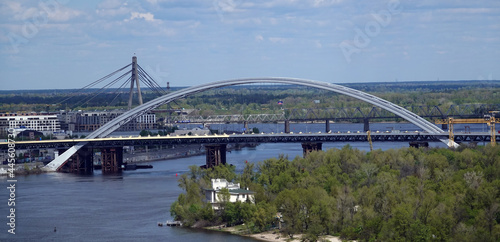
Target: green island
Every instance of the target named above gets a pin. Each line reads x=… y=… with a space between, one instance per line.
x=408 y=194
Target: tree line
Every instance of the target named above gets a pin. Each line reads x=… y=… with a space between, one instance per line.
x=264 y=99
x=394 y=195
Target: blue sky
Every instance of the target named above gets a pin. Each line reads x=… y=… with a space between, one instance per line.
x=51 y=44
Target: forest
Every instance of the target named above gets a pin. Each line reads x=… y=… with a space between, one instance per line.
x=408 y=194
x=251 y=99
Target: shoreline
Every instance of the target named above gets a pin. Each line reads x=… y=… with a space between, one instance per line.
x=268 y=236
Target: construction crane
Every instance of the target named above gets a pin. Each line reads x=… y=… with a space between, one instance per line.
x=369 y=138
x=488 y=119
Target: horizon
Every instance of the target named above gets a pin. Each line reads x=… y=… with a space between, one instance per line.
x=259 y=84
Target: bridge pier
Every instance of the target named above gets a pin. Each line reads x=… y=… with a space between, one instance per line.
x=245 y=125
x=81 y=163
x=287 y=126
x=111 y=159
x=327 y=126
x=216 y=155
x=366 y=124
x=310 y=147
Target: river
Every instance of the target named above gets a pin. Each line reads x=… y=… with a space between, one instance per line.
x=128 y=206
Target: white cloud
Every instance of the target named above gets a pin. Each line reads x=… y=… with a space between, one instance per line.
x=225 y=5
x=44 y=11
x=112 y=8
x=146 y=16
x=259 y=38
x=110 y=4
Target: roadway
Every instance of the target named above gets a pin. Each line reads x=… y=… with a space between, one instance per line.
x=300 y=137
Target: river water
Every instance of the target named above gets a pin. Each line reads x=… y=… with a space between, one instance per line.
x=128 y=206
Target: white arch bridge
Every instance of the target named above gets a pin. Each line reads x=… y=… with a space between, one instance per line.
x=114 y=124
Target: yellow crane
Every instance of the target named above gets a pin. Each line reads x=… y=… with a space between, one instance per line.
x=488 y=119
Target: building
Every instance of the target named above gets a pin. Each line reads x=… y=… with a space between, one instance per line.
x=195 y=131
x=236 y=193
x=81 y=121
x=44 y=123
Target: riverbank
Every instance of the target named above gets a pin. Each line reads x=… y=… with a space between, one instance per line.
x=271 y=236
x=23 y=169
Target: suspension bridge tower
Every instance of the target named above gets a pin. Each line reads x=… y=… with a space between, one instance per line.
x=134 y=79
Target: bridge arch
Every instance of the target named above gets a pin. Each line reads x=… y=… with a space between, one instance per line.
x=114 y=124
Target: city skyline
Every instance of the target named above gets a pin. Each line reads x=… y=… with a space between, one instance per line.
x=68 y=44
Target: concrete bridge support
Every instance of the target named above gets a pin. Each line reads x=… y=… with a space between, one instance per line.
x=216 y=155
x=245 y=125
x=81 y=162
x=287 y=126
x=111 y=159
x=310 y=147
x=327 y=126
x=366 y=124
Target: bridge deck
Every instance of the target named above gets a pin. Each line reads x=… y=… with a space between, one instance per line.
x=254 y=138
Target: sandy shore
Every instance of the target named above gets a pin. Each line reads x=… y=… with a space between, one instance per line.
x=274 y=237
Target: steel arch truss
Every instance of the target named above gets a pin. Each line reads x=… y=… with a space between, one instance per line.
x=114 y=124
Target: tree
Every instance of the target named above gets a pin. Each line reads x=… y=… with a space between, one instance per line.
x=144 y=133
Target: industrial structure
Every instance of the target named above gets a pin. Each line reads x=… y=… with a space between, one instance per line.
x=488 y=119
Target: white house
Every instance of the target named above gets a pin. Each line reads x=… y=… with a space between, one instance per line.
x=235 y=192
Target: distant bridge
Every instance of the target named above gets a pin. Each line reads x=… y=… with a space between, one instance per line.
x=340 y=114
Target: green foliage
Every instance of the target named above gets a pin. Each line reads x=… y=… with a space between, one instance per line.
x=262 y=99
x=395 y=195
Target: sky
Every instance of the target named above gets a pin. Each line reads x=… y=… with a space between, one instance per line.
x=59 y=44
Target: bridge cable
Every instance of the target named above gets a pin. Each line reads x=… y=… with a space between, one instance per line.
x=118 y=92
x=104 y=87
x=160 y=90
x=152 y=80
x=163 y=91
x=148 y=83
x=93 y=83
